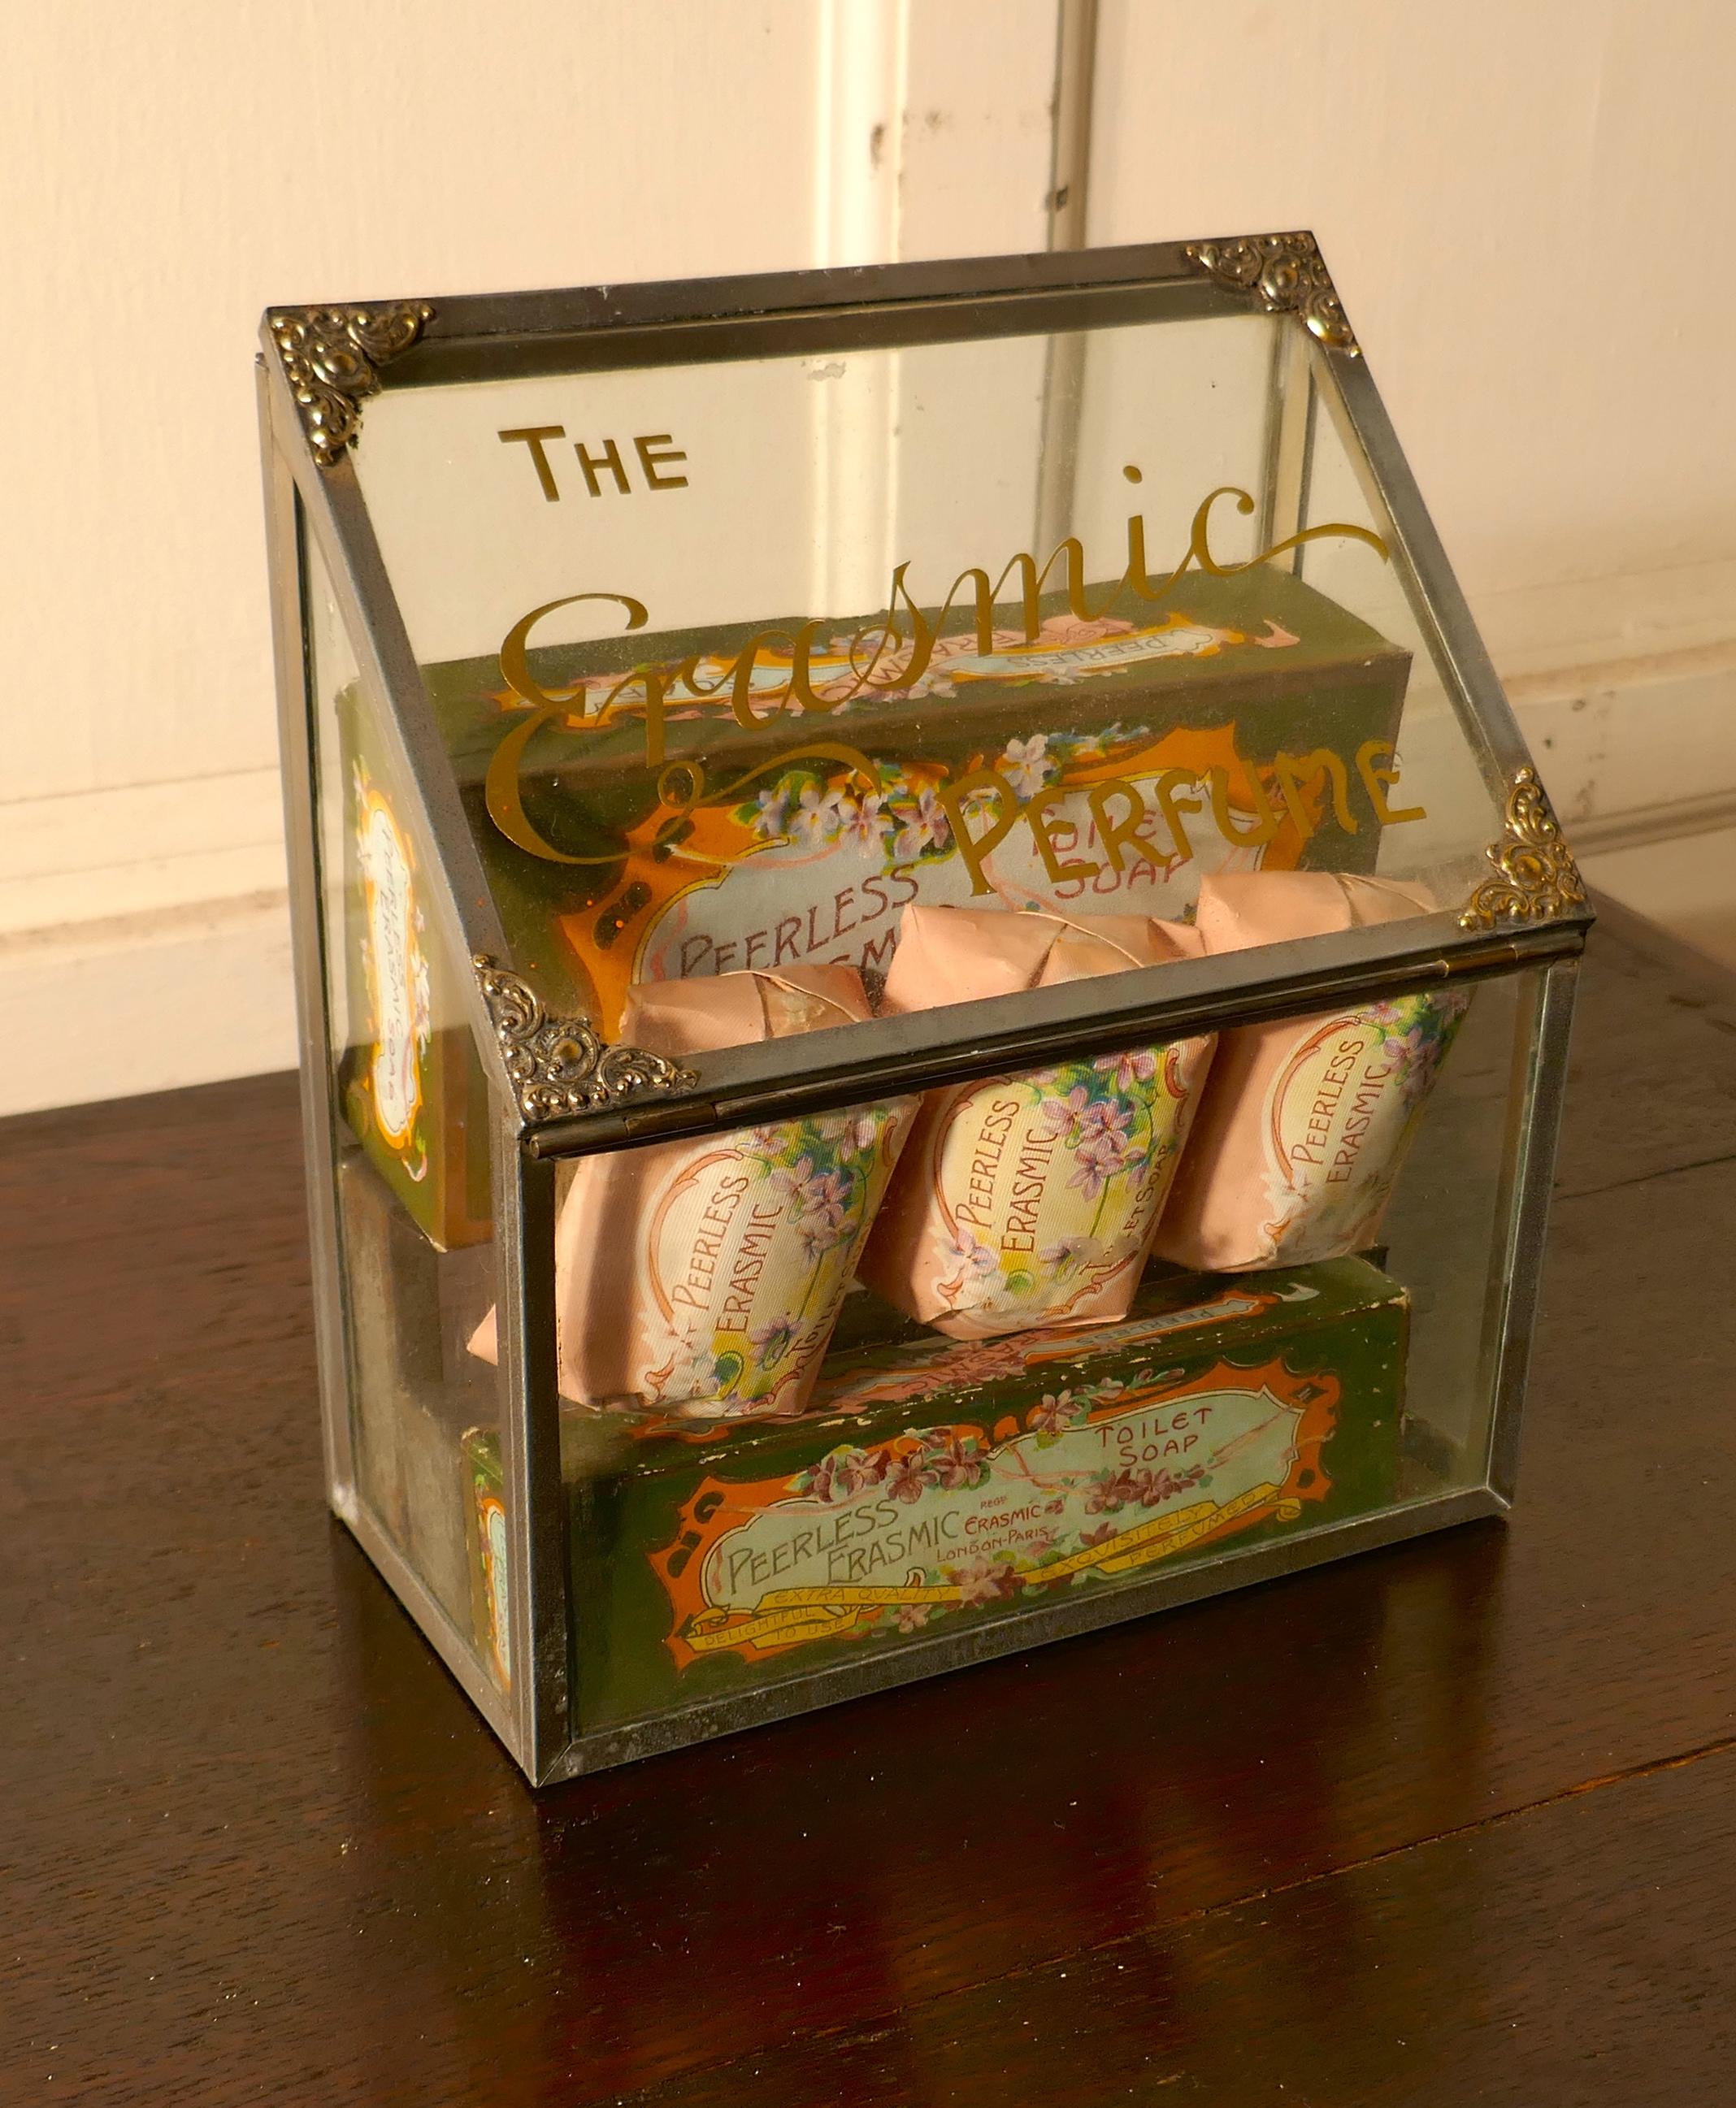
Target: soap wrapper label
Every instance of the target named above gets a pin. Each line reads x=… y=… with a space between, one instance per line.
x=750 y=1244
x=1049 y=1184
x=1304 y=1123
x=1339 y=1116
x=701 y=1279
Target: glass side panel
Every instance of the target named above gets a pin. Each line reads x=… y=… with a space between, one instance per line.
x=861 y=1381
x=414 y=1217
x=736 y=660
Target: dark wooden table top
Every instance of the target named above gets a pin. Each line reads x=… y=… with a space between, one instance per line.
x=1452 y=1822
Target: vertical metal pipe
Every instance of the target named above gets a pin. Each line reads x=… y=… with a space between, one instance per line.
x=1479 y=702
x=1064 y=361
x=1070 y=161
x=1288 y=452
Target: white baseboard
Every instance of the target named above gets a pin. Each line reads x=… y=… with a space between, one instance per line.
x=146 y=1002
x=1639 y=749
x=145 y=848
x=1686 y=882
x=144 y=939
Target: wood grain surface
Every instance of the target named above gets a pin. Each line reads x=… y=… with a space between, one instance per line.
x=1452 y=1822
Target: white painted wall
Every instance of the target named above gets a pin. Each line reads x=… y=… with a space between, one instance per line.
x=1520 y=203
x=167 y=172
x=1514 y=196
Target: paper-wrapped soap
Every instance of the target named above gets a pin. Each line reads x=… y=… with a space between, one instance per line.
x=1305 y=1122
x=1030 y=1200
x=703 y=1277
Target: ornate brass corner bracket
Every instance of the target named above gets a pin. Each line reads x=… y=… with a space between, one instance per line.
x=332 y=357
x=1288 y=273
x=558 y=1065
x=1535 y=876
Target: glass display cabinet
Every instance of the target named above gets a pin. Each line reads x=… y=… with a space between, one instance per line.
x=933 y=979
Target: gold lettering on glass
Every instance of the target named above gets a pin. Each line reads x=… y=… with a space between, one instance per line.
x=808 y=670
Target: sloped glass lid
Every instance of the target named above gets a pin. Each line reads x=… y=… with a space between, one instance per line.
x=745 y=634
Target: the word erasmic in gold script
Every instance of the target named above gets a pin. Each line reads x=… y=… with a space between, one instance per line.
x=888 y=655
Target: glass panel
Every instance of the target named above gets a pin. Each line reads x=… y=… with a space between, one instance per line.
x=414 y=1215
x=1445 y=1235
x=737 y=659
x=861 y=1381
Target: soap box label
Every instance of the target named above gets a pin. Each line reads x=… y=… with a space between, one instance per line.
x=411 y=1084
x=1101 y=1482
x=397 y=967
x=942 y=1486
x=483 y=1482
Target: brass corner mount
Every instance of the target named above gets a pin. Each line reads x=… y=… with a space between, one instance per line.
x=331 y=359
x=1536 y=877
x=1288 y=274
x=558 y=1065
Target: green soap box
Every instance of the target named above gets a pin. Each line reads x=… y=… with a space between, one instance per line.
x=936 y=1485
x=624 y=870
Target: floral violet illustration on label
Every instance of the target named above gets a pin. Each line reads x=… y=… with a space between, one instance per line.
x=1050 y=1183
x=751 y=1244
x=1339 y=1116
x=1103 y=1481
x=397 y=969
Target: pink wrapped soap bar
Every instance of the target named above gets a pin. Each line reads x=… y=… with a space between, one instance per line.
x=1304 y=1124
x=703 y=1277
x=1030 y=1200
